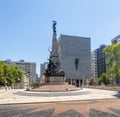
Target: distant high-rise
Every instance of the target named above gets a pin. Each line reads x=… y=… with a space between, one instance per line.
x=98 y=62
x=94 y=72
x=28 y=67
x=116 y=39
x=43 y=67
x=101 y=61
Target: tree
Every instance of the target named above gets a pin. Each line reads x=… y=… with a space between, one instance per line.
x=15 y=75
x=93 y=81
x=9 y=74
x=34 y=84
x=112 y=54
x=104 y=78
x=3 y=73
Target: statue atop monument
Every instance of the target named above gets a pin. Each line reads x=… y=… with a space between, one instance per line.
x=54 y=28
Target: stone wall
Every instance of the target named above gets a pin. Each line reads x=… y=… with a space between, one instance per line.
x=55 y=80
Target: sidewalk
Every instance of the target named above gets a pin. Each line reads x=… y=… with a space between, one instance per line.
x=13 y=98
x=5 y=94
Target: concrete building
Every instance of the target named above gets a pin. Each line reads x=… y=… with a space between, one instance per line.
x=74 y=55
x=28 y=67
x=94 y=72
x=101 y=61
x=98 y=62
x=43 y=67
x=116 y=39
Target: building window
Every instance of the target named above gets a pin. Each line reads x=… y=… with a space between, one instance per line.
x=76 y=64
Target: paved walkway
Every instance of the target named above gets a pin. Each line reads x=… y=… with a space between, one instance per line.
x=21 y=96
x=88 y=108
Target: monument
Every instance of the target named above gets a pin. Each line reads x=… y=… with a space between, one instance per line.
x=54 y=74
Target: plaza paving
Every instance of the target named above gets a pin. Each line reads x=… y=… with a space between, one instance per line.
x=86 y=108
x=80 y=103
x=22 y=96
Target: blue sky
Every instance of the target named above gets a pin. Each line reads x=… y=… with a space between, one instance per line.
x=26 y=25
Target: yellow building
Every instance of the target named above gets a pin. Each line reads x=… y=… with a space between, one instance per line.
x=24 y=82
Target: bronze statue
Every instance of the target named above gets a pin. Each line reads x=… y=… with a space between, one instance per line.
x=54 y=28
x=53 y=68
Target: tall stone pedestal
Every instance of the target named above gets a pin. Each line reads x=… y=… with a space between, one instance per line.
x=55 y=80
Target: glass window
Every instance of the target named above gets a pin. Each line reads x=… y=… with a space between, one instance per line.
x=76 y=64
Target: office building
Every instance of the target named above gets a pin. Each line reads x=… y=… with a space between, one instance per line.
x=98 y=62
x=101 y=61
x=74 y=56
x=94 y=72
x=116 y=39
x=27 y=67
x=43 y=67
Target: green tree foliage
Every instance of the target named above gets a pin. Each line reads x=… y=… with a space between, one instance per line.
x=34 y=84
x=9 y=74
x=112 y=54
x=3 y=73
x=104 y=78
x=93 y=81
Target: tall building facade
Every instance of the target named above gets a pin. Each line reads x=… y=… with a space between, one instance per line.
x=74 y=56
x=101 y=61
x=98 y=62
x=94 y=71
x=28 y=67
x=116 y=39
x=43 y=67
